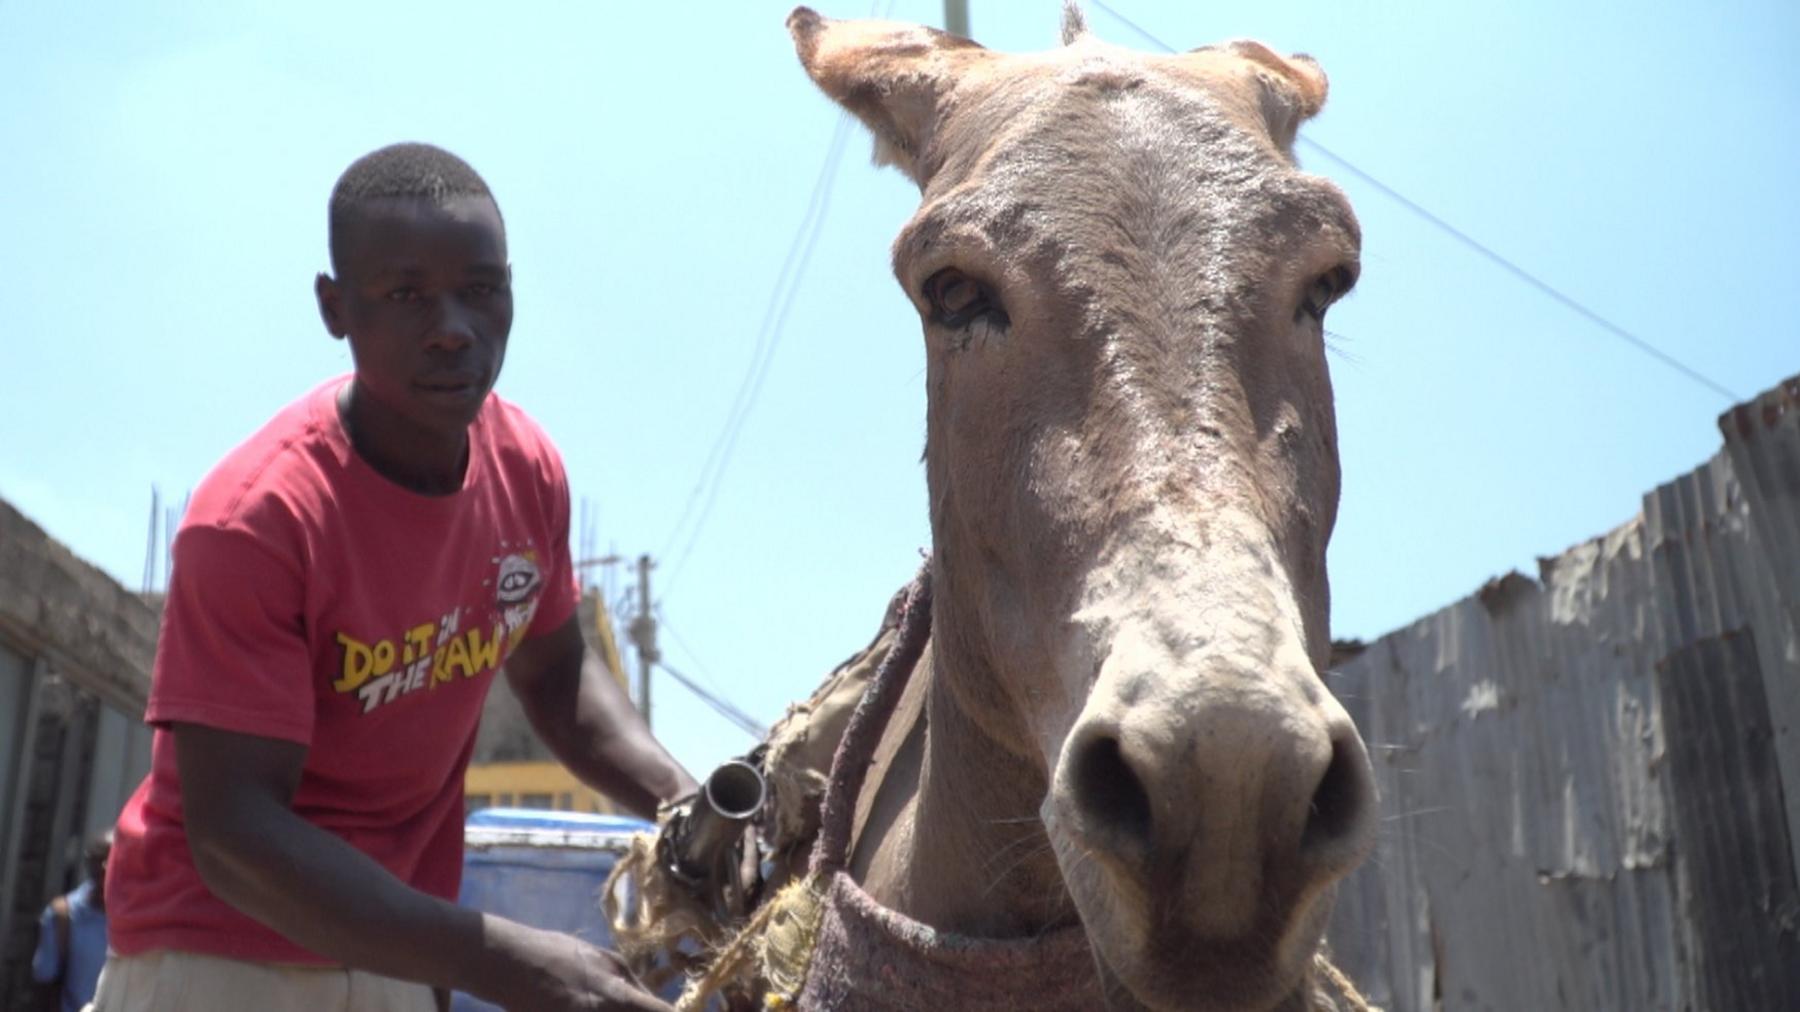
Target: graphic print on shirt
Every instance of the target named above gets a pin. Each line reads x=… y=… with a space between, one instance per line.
x=444 y=649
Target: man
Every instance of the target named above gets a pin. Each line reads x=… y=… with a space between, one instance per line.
x=72 y=933
x=346 y=583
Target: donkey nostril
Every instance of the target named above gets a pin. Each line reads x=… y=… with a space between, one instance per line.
x=1109 y=792
x=1340 y=802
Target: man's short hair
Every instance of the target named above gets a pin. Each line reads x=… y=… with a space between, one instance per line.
x=398 y=170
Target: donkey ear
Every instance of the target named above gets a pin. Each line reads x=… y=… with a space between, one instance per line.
x=893 y=77
x=1299 y=74
x=1289 y=90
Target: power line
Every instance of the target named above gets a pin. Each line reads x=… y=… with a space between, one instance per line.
x=694 y=655
x=781 y=300
x=766 y=330
x=1543 y=287
x=1134 y=26
x=742 y=720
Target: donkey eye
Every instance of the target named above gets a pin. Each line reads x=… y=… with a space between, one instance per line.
x=1326 y=289
x=958 y=300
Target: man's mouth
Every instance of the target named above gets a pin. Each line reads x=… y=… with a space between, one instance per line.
x=454 y=384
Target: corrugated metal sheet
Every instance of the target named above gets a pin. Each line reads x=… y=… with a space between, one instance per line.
x=1582 y=775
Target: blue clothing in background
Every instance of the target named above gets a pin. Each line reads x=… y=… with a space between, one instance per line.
x=87 y=948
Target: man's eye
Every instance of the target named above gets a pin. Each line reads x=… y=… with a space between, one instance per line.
x=480 y=290
x=403 y=294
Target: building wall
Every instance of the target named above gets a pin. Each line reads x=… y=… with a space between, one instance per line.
x=541 y=784
x=75 y=654
x=1590 y=781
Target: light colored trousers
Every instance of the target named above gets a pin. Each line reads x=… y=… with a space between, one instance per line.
x=165 y=981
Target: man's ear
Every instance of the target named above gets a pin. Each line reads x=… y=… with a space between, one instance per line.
x=893 y=77
x=331 y=309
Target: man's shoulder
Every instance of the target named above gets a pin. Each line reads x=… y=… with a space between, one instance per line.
x=508 y=421
x=282 y=470
x=517 y=438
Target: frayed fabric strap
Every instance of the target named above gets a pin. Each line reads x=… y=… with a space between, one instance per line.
x=850 y=766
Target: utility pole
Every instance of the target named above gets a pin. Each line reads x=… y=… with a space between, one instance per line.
x=643 y=636
x=956 y=17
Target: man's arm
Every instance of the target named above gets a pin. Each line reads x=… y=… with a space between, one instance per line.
x=590 y=724
x=47 y=960
x=328 y=897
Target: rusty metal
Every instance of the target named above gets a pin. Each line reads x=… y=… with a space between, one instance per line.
x=1591 y=780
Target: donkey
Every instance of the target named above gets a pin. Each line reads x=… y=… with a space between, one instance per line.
x=1116 y=775
x=1132 y=466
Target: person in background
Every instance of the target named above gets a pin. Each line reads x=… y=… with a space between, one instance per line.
x=72 y=932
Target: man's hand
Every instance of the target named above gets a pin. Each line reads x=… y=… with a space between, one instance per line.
x=573 y=975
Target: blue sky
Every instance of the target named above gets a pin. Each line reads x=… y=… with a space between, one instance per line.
x=164 y=170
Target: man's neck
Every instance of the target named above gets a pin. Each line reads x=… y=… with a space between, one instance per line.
x=419 y=461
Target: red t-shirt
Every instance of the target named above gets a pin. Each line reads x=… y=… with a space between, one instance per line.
x=315 y=601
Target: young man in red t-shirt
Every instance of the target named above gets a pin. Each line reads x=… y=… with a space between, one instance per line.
x=346 y=583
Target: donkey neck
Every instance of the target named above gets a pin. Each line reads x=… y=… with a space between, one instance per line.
x=970 y=856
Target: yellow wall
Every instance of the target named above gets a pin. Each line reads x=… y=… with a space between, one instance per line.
x=541 y=784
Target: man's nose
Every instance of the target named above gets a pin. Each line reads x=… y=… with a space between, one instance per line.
x=452 y=326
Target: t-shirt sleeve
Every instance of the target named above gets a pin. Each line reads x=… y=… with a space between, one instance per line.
x=233 y=652
x=561 y=595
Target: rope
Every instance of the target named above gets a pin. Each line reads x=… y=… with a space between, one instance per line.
x=1346 y=989
x=732 y=967
x=666 y=928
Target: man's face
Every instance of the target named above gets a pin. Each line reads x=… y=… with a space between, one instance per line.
x=424 y=295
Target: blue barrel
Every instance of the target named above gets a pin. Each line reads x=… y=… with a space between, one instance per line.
x=544 y=869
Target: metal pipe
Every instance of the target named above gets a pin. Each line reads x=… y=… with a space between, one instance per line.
x=714 y=821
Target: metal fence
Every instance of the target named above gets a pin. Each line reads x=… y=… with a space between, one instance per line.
x=1582 y=776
